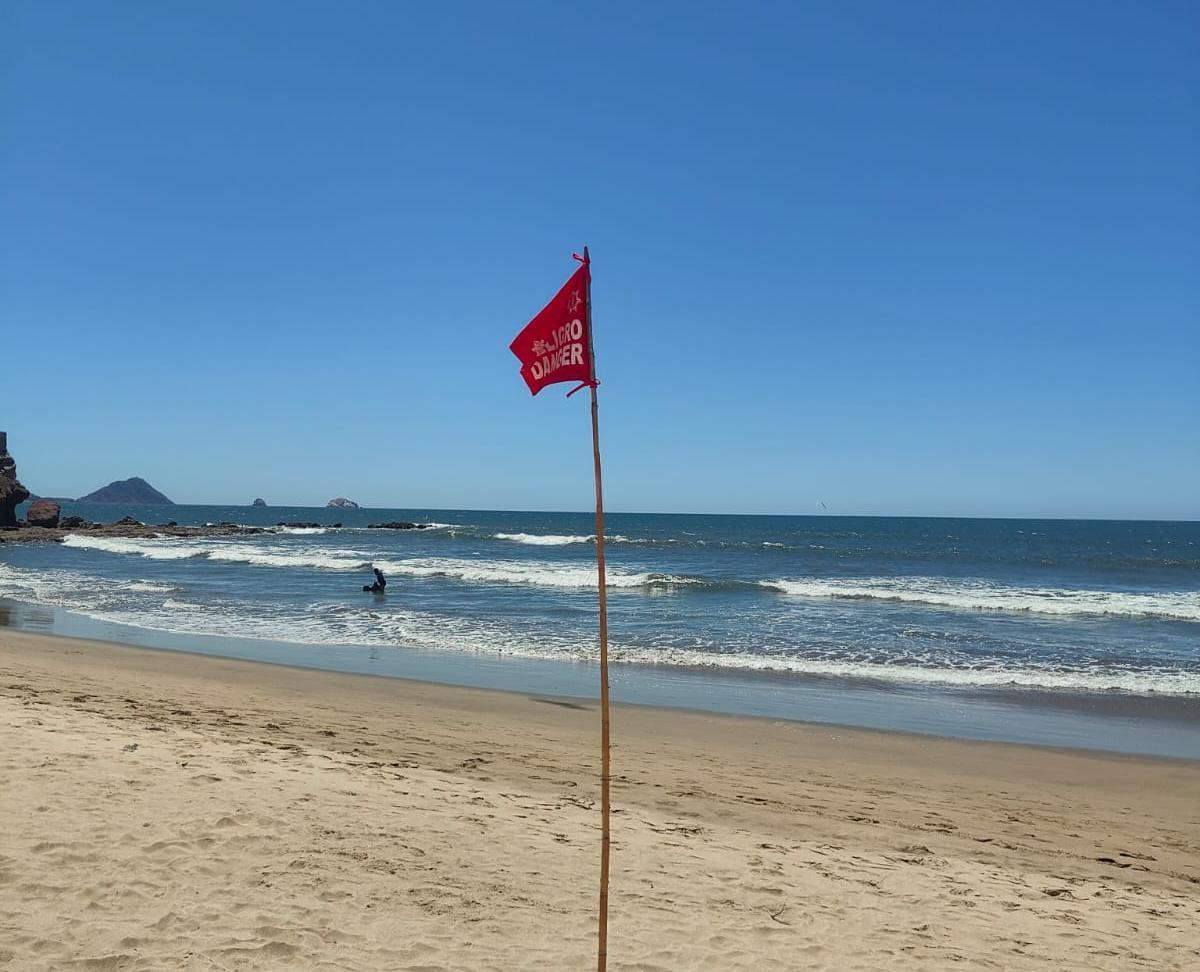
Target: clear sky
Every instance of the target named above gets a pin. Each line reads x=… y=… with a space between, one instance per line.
x=924 y=257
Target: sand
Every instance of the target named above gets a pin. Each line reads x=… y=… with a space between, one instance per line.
x=162 y=810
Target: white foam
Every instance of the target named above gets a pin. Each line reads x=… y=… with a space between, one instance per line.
x=299 y=531
x=263 y=556
x=538 y=573
x=258 y=554
x=544 y=539
x=563 y=539
x=153 y=549
x=340 y=624
x=149 y=587
x=982 y=595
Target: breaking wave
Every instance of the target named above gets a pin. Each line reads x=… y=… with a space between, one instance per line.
x=536 y=573
x=335 y=623
x=241 y=553
x=544 y=540
x=980 y=595
x=954 y=593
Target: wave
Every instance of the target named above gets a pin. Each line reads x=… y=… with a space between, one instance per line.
x=152 y=549
x=334 y=623
x=563 y=539
x=337 y=624
x=242 y=553
x=544 y=539
x=960 y=594
x=536 y=573
x=149 y=587
x=981 y=595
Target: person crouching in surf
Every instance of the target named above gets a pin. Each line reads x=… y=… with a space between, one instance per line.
x=380 y=582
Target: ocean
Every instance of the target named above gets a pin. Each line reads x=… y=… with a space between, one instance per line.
x=1066 y=632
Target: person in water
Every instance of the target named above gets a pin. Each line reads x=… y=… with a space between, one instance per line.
x=380 y=582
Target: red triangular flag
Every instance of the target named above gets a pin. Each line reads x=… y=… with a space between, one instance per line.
x=555 y=345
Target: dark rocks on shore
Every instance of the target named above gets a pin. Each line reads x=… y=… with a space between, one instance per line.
x=342 y=503
x=126 y=528
x=397 y=525
x=43 y=513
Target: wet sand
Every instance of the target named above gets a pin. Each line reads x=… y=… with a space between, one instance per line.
x=166 y=810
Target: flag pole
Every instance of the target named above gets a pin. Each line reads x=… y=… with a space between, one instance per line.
x=605 y=775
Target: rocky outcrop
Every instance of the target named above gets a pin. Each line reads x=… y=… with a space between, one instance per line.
x=259 y=502
x=11 y=491
x=128 y=527
x=342 y=503
x=398 y=525
x=43 y=513
x=135 y=491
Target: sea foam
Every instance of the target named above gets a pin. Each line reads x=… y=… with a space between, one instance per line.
x=982 y=595
x=544 y=539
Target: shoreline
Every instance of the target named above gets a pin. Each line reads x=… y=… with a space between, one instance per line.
x=1167 y=726
x=590 y=701
x=488 y=696
x=167 y=805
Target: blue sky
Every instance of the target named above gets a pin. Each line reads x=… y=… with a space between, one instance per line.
x=928 y=258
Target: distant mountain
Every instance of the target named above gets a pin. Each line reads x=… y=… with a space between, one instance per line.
x=135 y=490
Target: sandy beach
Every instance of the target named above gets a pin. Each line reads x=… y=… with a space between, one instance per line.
x=165 y=810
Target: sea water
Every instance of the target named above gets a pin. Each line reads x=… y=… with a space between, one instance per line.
x=1091 y=618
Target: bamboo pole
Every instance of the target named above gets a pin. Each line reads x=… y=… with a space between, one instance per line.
x=605 y=775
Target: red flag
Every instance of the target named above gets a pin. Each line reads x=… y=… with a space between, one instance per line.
x=555 y=346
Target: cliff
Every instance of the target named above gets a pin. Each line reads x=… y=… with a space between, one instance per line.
x=11 y=491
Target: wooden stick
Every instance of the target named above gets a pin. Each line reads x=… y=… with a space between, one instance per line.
x=605 y=775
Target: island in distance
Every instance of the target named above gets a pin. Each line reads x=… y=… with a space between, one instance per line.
x=342 y=503
x=135 y=490
x=259 y=502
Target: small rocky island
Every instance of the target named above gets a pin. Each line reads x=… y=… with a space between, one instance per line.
x=259 y=502
x=341 y=503
x=135 y=491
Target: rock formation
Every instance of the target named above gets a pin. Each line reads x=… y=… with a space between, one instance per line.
x=43 y=513
x=342 y=503
x=11 y=490
x=129 y=491
x=259 y=502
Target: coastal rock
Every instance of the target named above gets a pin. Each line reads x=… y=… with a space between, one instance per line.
x=342 y=503
x=43 y=513
x=302 y=525
x=126 y=528
x=259 y=502
x=396 y=525
x=12 y=492
x=128 y=491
